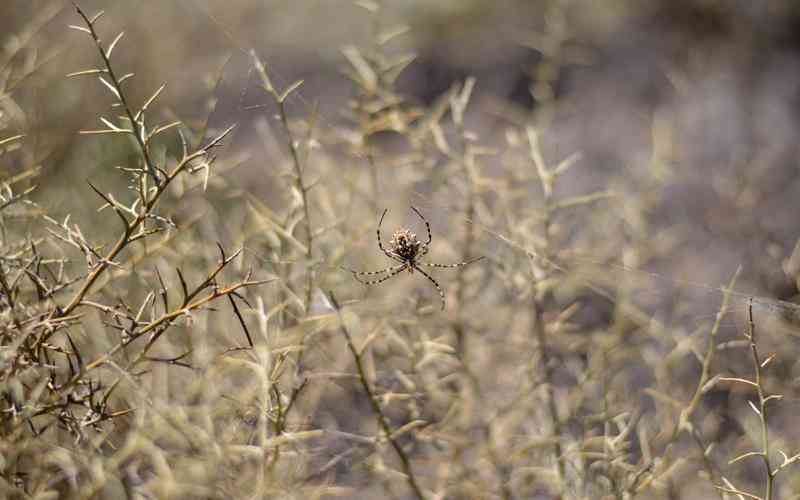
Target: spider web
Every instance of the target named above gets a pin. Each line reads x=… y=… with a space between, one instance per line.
x=649 y=287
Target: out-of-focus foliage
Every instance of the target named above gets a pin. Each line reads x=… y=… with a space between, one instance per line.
x=178 y=318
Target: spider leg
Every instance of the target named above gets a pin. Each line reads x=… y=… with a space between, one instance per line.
x=430 y=278
x=431 y=264
x=427 y=226
x=368 y=273
x=393 y=271
x=380 y=243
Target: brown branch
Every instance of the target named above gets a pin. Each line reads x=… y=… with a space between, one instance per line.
x=383 y=421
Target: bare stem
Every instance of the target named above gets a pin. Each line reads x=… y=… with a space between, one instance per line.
x=280 y=100
x=127 y=235
x=158 y=326
x=137 y=131
x=376 y=407
x=540 y=331
x=684 y=422
x=763 y=399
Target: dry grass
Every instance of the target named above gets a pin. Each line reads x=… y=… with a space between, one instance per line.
x=175 y=321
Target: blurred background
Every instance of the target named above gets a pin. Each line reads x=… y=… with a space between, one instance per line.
x=681 y=118
x=709 y=89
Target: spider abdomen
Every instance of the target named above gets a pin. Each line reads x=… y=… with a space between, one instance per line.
x=405 y=245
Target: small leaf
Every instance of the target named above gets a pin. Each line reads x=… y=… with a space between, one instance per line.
x=746 y=455
x=114 y=44
x=110 y=87
x=369 y=80
x=184 y=287
x=392 y=33
x=11 y=139
x=80 y=28
x=460 y=100
x=710 y=384
x=262 y=71
x=163 y=128
x=414 y=424
x=575 y=201
x=96 y=17
x=566 y=163
x=368 y=5
x=289 y=90
x=105 y=131
x=110 y=124
x=87 y=72
x=753 y=406
x=739 y=380
x=149 y=101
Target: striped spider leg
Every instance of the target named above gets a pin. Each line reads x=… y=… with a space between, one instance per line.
x=407 y=250
x=446 y=266
x=393 y=270
x=450 y=266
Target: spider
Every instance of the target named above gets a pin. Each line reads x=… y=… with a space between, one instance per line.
x=407 y=250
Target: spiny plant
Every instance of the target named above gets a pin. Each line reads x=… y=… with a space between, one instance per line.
x=553 y=372
x=61 y=367
x=761 y=407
